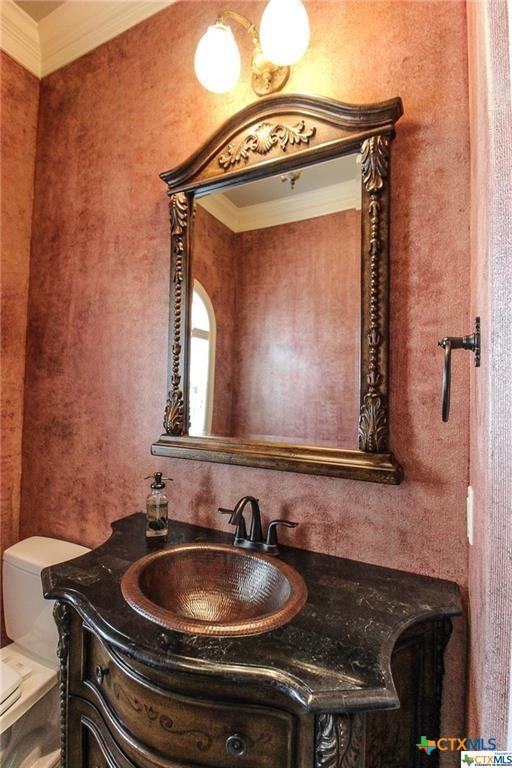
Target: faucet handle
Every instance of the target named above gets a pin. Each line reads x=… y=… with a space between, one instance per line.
x=272 y=532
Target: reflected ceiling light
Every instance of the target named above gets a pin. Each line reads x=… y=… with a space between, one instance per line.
x=292 y=177
x=284 y=38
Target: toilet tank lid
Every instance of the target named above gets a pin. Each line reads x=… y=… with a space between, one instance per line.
x=38 y=552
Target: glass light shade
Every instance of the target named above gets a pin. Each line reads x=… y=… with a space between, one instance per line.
x=217 y=59
x=284 y=31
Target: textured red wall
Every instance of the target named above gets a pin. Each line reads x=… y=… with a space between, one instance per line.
x=490 y=556
x=297 y=331
x=20 y=96
x=96 y=367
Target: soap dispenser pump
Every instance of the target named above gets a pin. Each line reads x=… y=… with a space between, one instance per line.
x=157 y=509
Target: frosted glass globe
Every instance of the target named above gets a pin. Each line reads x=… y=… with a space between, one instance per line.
x=217 y=59
x=284 y=31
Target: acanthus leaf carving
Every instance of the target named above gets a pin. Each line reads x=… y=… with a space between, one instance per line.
x=174 y=415
x=374 y=162
x=178 y=209
x=339 y=741
x=373 y=424
x=326 y=747
x=264 y=137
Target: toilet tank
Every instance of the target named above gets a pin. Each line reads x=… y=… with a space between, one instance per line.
x=28 y=616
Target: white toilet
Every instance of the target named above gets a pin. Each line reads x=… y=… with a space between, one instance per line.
x=29 y=700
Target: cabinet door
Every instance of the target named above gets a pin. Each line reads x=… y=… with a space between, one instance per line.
x=417 y=667
x=90 y=744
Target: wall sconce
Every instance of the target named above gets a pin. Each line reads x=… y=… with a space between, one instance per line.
x=281 y=41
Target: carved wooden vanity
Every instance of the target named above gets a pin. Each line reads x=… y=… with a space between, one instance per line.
x=320 y=692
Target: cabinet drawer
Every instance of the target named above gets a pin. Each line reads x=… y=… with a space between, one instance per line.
x=192 y=730
x=91 y=745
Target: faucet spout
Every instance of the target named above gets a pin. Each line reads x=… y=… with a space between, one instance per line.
x=255 y=540
x=255 y=531
x=237 y=518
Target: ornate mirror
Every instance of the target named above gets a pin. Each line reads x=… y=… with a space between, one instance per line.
x=278 y=350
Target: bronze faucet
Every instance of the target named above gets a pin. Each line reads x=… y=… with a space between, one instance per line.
x=255 y=541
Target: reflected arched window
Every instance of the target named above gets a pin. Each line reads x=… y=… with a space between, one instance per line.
x=202 y=361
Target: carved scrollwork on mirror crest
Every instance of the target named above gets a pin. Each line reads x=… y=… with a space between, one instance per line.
x=263 y=138
x=373 y=421
x=339 y=741
x=174 y=416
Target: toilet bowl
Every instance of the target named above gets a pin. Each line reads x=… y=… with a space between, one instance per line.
x=29 y=696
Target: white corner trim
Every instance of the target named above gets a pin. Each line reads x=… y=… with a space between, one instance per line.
x=74 y=29
x=296 y=207
x=19 y=36
x=70 y=31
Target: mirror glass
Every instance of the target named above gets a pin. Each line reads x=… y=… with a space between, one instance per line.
x=275 y=331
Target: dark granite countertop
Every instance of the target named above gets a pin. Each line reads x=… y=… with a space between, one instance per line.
x=334 y=656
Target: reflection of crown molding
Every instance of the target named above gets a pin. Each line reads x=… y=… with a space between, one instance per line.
x=19 y=36
x=284 y=210
x=70 y=31
x=222 y=208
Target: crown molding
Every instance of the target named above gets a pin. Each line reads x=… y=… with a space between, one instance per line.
x=296 y=207
x=70 y=31
x=19 y=36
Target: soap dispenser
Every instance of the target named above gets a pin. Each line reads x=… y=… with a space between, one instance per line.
x=157 y=508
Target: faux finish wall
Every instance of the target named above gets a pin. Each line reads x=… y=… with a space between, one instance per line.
x=490 y=557
x=20 y=96
x=96 y=358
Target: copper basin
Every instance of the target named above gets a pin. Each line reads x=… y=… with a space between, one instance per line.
x=212 y=589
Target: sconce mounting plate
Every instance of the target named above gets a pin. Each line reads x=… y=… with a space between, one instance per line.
x=268 y=80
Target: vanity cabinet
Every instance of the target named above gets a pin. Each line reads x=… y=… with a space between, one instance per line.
x=119 y=713
x=157 y=724
x=352 y=681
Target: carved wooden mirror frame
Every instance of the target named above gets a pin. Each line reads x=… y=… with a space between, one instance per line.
x=275 y=135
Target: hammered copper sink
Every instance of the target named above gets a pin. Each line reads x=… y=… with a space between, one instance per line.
x=213 y=589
